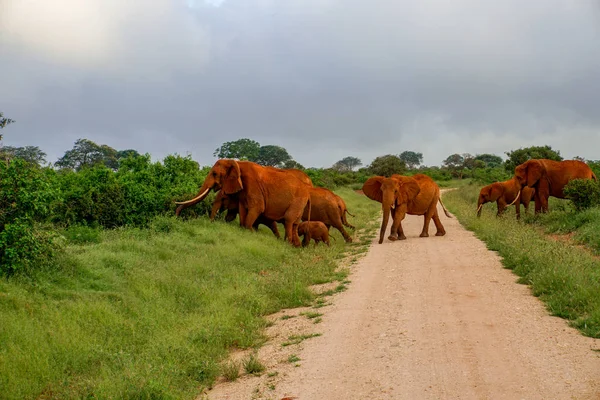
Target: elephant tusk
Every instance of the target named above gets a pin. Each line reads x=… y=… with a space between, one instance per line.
x=515 y=200
x=201 y=195
x=479 y=208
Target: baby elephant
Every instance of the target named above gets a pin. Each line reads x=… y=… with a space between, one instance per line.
x=313 y=230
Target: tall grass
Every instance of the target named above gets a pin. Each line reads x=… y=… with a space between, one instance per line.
x=151 y=313
x=565 y=277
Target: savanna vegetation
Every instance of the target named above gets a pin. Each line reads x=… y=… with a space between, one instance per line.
x=104 y=294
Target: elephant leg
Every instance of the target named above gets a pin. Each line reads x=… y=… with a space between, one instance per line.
x=438 y=224
x=274 y=229
x=397 y=232
x=291 y=223
x=427 y=219
x=243 y=213
x=518 y=209
x=501 y=207
x=345 y=234
x=251 y=217
x=400 y=232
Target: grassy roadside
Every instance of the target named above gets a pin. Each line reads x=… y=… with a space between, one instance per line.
x=565 y=277
x=152 y=313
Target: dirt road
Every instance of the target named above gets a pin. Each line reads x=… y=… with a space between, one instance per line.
x=435 y=318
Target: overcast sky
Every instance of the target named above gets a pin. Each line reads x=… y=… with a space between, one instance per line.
x=323 y=78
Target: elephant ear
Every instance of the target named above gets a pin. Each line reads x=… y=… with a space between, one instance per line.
x=233 y=179
x=409 y=189
x=372 y=188
x=535 y=170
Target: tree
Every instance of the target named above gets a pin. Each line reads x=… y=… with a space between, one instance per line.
x=241 y=149
x=490 y=160
x=31 y=154
x=4 y=121
x=127 y=153
x=347 y=164
x=412 y=159
x=455 y=164
x=518 y=157
x=293 y=164
x=387 y=165
x=271 y=155
x=86 y=153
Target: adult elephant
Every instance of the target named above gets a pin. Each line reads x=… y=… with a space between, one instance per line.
x=505 y=194
x=325 y=208
x=231 y=204
x=401 y=195
x=343 y=211
x=276 y=194
x=549 y=178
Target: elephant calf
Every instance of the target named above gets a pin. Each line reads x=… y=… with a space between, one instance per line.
x=315 y=230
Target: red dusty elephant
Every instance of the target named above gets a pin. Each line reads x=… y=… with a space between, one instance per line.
x=549 y=178
x=401 y=195
x=325 y=208
x=231 y=204
x=315 y=230
x=276 y=194
x=505 y=194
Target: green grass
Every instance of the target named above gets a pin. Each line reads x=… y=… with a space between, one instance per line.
x=252 y=365
x=153 y=313
x=295 y=339
x=231 y=371
x=565 y=277
x=293 y=358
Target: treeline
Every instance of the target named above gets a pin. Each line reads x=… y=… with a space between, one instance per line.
x=98 y=186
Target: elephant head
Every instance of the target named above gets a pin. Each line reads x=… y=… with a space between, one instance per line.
x=225 y=175
x=225 y=202
x=393 y=193
x=488 y=194
x=530 y=172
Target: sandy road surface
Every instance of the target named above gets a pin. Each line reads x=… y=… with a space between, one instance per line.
x=437 y=318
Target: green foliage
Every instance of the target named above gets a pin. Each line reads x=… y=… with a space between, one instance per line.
x=241 y=149
x=87 y=154
x=584 y=193
x=387 y=165
x=274 y=156
x=347 y=164
x=595 y=166
x=489 y=160
x=26 y=195
x=436 y=173
x=31 y=154
x=81 y=234
x=518 y=157
x=133 y=195
x=154 y=313
x=293 y=164
x=330 y=178
x=565 y=277
x=411 y=159
x=488 y=175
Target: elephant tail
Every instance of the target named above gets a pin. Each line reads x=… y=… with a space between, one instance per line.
x=445 y=211
x=594 y=177
x=349 y=213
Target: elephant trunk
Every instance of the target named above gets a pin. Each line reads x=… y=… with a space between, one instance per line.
x=386 y=206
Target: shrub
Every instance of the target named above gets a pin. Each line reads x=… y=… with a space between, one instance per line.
x=26 y=198
x=584 y=193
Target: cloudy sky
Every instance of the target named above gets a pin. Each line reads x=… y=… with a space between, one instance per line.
x=323 y=78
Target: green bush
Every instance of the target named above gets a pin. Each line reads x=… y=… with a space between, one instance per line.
x=26 y=197
x=584 y=193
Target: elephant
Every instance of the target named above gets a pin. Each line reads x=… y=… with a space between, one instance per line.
x=505 y=193
x=315 y=230
x=549 y=177
x=231 y=204
x=325 y=208
x=276 y=194
x=401 y=195
x=343 y=211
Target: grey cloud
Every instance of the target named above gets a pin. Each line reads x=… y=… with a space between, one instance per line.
x=325 y=79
